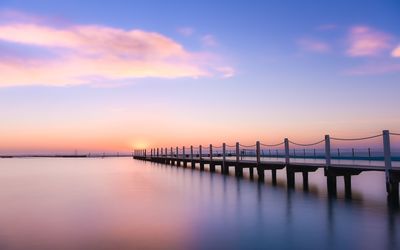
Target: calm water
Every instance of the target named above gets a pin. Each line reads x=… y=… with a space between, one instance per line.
x=128 y=204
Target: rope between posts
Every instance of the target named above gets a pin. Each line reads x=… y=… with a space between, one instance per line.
x=217 y=146
x=272 y=145
x=306 y=145
x=247 y=146
x=230 y=146
x=356 y=139
x=394 y=133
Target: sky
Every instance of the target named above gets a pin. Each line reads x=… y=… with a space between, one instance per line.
x=116 y=75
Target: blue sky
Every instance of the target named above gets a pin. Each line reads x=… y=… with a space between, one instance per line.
x=243 y=70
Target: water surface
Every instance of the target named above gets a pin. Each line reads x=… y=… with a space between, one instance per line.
x=121 y=203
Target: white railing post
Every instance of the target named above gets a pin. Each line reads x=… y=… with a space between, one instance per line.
x=387 y=154
x=287 y=157
x=258 y=155
x=237 y=152
x=327 y=151
x=200 y=151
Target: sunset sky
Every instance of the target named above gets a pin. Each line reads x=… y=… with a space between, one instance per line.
x=113 y=75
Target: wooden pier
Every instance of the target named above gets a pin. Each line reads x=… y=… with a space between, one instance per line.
x=256 y=159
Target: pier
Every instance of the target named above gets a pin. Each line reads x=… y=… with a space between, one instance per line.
x=283 y=156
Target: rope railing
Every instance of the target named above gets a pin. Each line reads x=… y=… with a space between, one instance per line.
x=230 y=146
x=355 y=139
x=306 y=145
x=247 y=146
x=394 y=133
x=217 y=146
x=272 y=145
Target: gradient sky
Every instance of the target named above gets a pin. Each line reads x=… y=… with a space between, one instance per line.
x=113 y=75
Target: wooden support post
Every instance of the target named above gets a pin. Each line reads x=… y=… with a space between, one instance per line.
x=287 y=157
x=192 y=164
x=305 y=180
x=212 y=166
x=162 y=152
x=178 y=162
x=273 y=172
x=260 y=170
x=184 y=157
x=224 y=166
x=330 y=175
x=201 y=158
x=238 y=168
x=158 y=152
x=290 y=174
x=331 y=183
x=327 y=152
x=347 y=185
x=388 y=159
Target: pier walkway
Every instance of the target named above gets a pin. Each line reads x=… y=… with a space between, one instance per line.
x=273 y=157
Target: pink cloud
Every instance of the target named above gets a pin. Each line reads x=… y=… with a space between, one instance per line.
x=365 y=41
x=377 y=68
x=227 y=72
x=87 y=53
x=209 y=41
x=313 y=45
x=396 y=52
x=186 y=31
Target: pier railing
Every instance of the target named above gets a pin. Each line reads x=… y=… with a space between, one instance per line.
x=324 y=151
x=337 y=156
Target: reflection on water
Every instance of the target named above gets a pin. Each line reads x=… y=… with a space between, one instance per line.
x=125 y=204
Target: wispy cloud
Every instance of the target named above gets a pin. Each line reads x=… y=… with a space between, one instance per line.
x=91 y=53
x=186 y=31
x=366 y=41
x=209 y=41
x=375 y=68
x=226 y=71
x=313 y=45
x=396 y=52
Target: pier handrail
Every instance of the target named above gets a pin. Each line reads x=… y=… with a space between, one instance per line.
x=306 y=145
x=248 y=146
x=356 y=139
x=272 y=145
